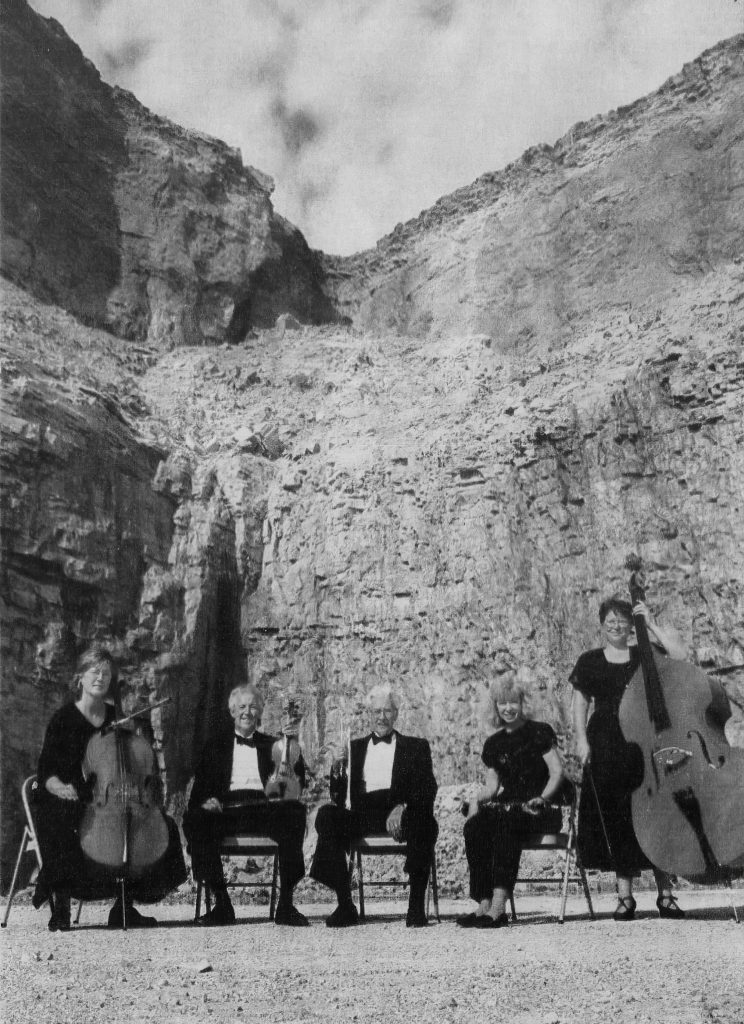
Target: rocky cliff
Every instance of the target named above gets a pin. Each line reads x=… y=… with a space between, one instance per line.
x=445 y=487
x=128 y=221
x=622 y=211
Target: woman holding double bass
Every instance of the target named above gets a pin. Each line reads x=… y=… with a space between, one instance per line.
x=606 y=837
x=64 y=809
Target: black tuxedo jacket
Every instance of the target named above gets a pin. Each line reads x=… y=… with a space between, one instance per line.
x=214 y=768
x=412 y=782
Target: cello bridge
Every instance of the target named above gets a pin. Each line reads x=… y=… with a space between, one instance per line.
x=670 y=759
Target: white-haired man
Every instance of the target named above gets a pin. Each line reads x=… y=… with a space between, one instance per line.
x=392 y=789
x=228 y=798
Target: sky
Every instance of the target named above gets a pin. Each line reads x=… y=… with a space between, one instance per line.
x=366 y=111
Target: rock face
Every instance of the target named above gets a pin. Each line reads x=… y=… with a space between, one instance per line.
x=621 y=211
x=125 y=219
x=444 y=488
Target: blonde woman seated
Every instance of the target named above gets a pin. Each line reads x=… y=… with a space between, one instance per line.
x=524 y=783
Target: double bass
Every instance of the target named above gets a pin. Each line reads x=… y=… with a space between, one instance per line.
x=123 y=832
x=688 y=811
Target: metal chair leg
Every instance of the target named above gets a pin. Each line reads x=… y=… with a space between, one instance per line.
x=731 y=899
x=511 y=904
x=564 y=884
x=274 y=877
x=199 y=887
x=361 y=885
x=79 y=911
x=21 y=851
x=434 y=888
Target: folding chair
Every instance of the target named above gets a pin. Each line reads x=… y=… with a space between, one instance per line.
x=565 y=841
x=29 y=844
x=382 y=845
x=250 y=846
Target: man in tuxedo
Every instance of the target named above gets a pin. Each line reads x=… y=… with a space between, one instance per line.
x=228 y=798
x=391 y=789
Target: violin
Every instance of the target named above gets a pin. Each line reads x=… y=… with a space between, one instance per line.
x=123 y=829
x=284 y=782
x=688 y=810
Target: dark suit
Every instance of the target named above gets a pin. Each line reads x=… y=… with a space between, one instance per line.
x=412 y=783
x=244 y=812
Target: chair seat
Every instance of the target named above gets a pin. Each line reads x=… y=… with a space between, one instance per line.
x=546 y=841
x=382 y=843
x=260 y=845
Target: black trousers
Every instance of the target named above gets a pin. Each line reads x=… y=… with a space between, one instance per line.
x=280 y=820
x=337 y=827
x=493 y=844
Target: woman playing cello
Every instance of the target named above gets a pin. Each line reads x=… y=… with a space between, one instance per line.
x=606 y=838
x=61 y=797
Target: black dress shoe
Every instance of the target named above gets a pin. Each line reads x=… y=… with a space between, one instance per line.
x=668 y=907
x=416 y=919
x=290 y=916
x=59 y=922
x=486 y=921
x=134 y=918
x=625 y=909
x=343 y=917
x=468 y=920
x=220 y=914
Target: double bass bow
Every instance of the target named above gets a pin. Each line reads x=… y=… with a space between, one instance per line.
x=688 y=810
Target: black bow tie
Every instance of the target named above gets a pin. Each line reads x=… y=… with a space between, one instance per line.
x=381 y=739
x=245 y=741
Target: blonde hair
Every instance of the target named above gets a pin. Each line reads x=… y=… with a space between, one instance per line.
x=511 y=685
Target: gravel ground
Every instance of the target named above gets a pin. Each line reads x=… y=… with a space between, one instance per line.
x=534 y=972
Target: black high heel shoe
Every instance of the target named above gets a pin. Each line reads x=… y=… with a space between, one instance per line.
x=668 y=907
x=625 y=909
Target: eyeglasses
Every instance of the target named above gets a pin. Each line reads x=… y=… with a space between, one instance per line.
x=387 y=712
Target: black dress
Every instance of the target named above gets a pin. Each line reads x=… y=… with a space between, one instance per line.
x=493 y=837
x=57 y=821
x=614 y=769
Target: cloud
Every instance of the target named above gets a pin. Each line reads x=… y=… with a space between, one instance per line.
x=366 y=111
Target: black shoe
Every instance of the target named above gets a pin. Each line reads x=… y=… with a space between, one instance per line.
x=486 y=921
x=59 y=922
x=60 y=919
x=220 y=914
x=668 y=907
x=343 y=917
x=468 y=920
x=625 y=909
x=134 y=918
x=416 y=919
x=291 y=916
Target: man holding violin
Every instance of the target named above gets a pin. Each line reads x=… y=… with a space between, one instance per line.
x=228 y=798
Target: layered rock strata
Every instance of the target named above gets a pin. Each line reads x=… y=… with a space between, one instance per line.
x=125 y=219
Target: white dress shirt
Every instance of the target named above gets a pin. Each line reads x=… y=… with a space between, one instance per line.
x=378 y=765
x=245 y=774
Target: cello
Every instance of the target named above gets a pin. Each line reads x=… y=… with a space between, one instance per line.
x=123 y=831
x=284 y=783
x=688 y=810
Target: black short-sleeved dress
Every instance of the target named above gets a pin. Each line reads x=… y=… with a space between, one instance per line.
x=493 y=837
x=58 y=821
x=615 y=771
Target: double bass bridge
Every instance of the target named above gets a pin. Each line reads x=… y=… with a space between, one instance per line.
x=668 y=760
